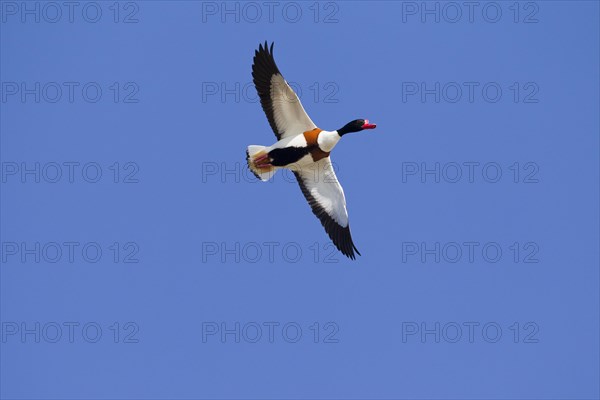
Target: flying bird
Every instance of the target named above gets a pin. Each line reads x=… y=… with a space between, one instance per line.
x=303 y=148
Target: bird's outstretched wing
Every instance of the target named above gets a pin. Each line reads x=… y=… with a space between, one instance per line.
x=279 y=102
x=325 y=195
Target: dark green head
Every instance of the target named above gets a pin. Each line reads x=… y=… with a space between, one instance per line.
x=356 y=126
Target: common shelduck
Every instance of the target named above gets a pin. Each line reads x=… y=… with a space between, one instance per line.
x=303 y=148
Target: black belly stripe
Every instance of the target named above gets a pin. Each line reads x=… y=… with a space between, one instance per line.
x=287 y=155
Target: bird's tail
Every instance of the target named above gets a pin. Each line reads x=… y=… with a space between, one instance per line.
x=263 y=173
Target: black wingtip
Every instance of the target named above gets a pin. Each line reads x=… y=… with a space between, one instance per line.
x=350 y=254
x=266 y=47
x=356 y=250
x=263 y=69
x=340 y=236
x=351 y=247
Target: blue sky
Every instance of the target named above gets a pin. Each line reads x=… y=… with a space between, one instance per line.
x=140 y=259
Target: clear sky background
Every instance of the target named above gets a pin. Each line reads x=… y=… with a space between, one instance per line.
x=174 y=274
